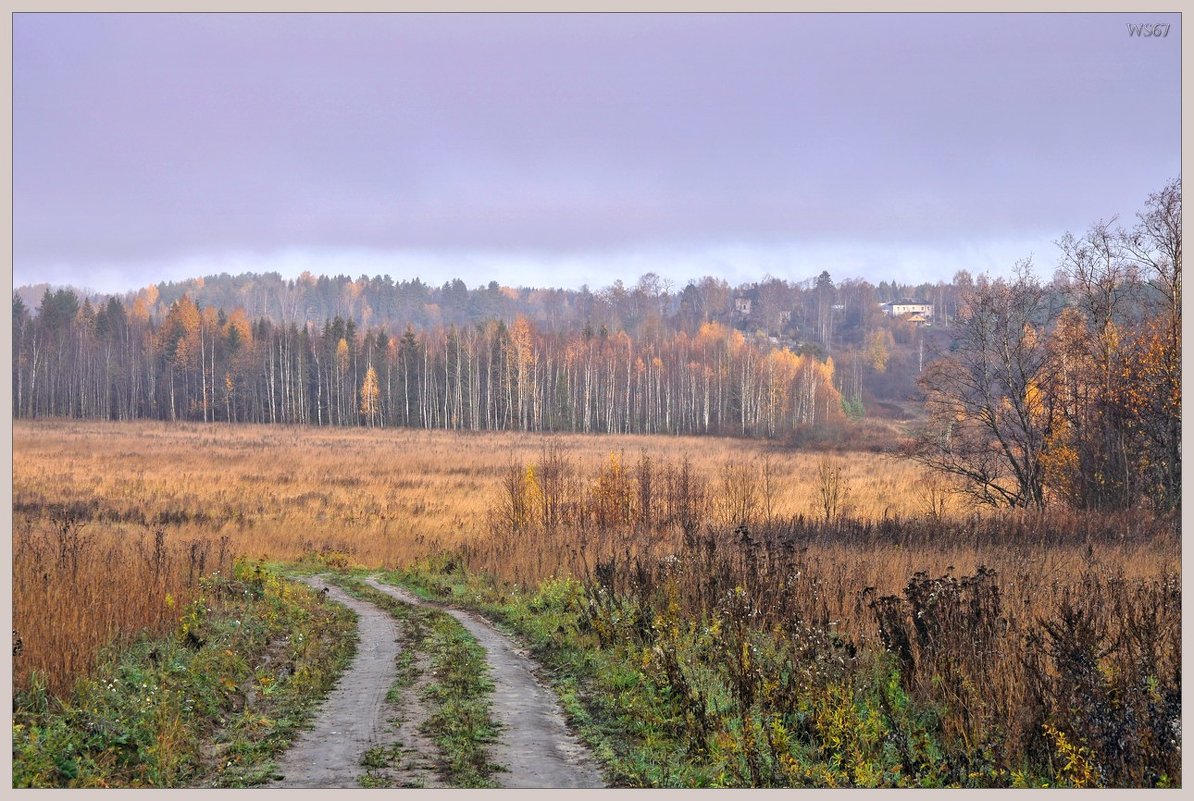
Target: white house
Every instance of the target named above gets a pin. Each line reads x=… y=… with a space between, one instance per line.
x=896 y=308
x=742 y=305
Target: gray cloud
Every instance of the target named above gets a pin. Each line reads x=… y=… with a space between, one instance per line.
x=144 y=140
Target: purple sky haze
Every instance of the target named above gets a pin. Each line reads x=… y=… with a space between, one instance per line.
x=570 y=149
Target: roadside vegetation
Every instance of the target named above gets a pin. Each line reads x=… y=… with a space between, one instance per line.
x=208 y=704
x=700 y=639
x=680 y=680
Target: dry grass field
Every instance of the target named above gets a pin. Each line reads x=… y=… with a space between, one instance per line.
x=113 y=522
x=383 y=496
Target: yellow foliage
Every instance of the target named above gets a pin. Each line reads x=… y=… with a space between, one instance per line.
x=370 y=393
x=878 y=349
x=1078 y=765
x=530 y=487
x=140 y=310
x=240 y=322
x=186 y=314
x=522 y=337
x=710 y=334
x=1034 y=399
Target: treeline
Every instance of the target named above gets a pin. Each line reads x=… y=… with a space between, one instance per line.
x=816 y=317
x=817 y=310
x=75 y=360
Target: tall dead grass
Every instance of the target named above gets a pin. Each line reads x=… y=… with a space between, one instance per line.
x=79 y=587
x=111 y=519
x=1033 y=646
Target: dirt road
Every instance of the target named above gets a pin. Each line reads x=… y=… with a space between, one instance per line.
x=351 y=718
x=534 y=745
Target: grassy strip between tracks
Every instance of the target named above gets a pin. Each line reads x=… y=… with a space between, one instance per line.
x=458 y=694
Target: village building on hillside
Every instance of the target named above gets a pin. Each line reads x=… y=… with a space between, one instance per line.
x=921 y=313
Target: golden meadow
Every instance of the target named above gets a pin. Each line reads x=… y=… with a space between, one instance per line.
x=113 y=523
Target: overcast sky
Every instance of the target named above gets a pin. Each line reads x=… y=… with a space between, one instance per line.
x=569 y=149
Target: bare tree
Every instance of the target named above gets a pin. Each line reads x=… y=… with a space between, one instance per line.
x=990 y=414
x=833 y=489
x=738 y=502
x=936 y=499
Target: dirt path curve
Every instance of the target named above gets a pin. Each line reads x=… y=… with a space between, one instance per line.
x=351 y=718
x=535 y=745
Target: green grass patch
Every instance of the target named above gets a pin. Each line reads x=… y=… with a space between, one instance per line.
x=376 y=761
x=209 y=706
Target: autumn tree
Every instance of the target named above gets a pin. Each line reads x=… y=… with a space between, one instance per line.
x=1099 y=285
x=1122 y=348
x=878 y=349
x=179 y=346
x=1154 y=374
x=369 y=397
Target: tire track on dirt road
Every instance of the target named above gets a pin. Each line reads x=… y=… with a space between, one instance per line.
x=534 y=744
x=351 y=718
